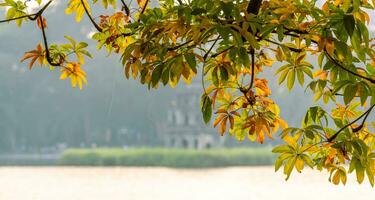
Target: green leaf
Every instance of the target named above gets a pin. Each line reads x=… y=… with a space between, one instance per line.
x=156 y=75
x=301 y=77
x=281 y=149
x=190 y=59
x=349 y=93
x=307 y=160
x=206 y=108
x=370 y=69
x=289 y=167
x=346 y=5
x=370 y=176
x=280 y=160
x=291 y=79
x=349 y=23
x=244 y=57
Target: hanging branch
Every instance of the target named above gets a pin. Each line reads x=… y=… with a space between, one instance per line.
x=365 y=114
x=252 y=53
x=90 y=17
x=48 y=56
x=32 y=17
x=205 y=59
x=346 y=69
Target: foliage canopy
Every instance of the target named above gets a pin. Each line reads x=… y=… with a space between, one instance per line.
x=323 y=45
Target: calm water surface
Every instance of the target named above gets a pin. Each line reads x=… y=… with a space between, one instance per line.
x=250 y=183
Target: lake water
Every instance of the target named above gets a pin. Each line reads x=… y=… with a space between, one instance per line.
x=250 y=183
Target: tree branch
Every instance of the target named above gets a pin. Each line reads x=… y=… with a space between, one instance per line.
x=346 y=69
x=252 y=53
x=365 y=114
x=179 y=46
x=30 y=16
x=221 y=52
x=204 y=63
x=210 y=49
x=48 y=56
x=254 y=6
x=279 y=44
x=90 y=17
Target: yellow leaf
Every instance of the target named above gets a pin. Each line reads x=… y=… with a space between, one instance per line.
x=283 y=124
x=218 y=120
x=142 y=3
x=343 y=177
x=75 y=73
x=300 y=164
x=291 y=141
x=280 y=11
x=77 y=7
x=336 y=177
x=330 y=47
x=64 y=75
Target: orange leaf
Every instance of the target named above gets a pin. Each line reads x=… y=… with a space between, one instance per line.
x=260 y=137
x=231 y=121
x=39 y=23
x=223 y=126
x=37 y=54
x=218 y=120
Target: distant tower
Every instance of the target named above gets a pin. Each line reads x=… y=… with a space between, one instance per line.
x=184 y=127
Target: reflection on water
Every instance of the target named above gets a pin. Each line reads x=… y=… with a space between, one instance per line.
x=64 y=183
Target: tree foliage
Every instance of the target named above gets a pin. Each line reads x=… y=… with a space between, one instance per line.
x=323 y=45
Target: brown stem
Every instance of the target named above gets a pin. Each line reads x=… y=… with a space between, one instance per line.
x=48 y=56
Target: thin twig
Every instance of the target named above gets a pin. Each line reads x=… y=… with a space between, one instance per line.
x=205 y=59
x=221 y=52
x=277 y=43
x=126 y=8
